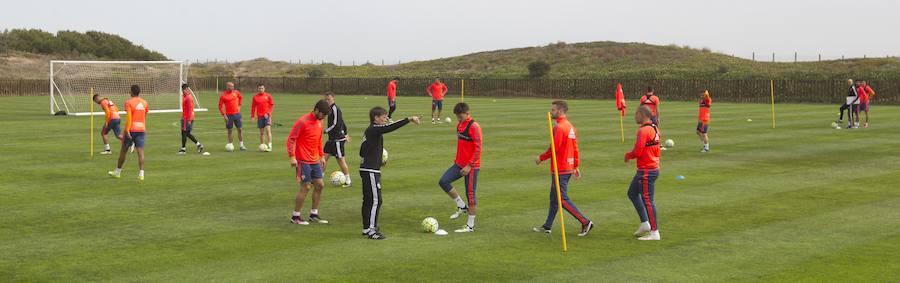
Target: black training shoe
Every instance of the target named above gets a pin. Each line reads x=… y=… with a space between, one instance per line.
x=585 y=229
x=315 y=218
x=376 y=236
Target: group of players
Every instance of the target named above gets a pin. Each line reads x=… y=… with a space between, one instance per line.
x=308 y=155
x=859 y=94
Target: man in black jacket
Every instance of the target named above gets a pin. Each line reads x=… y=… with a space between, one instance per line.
x=852 y=98
x=370 y=153
x=337 y=138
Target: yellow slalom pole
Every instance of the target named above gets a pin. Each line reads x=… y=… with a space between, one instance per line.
x=622 y=128
x=91 y=149
x=562 y=223
x=462 y=92
x=772 y=88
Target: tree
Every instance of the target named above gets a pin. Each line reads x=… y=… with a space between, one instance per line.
x=315 y=73
x=538 y=69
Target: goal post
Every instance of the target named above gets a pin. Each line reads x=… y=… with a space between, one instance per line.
x=160 y=82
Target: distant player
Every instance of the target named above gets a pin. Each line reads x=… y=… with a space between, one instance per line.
x=861 y=91
x=136 y=110
x=187 y=119
x=338 y=136
x=230 y=108
x=703 y=120
x=646 y=151
x=112 y=121
x=868 y=94
x=261 y=109
x=304 y=147
x=652 y=101
x=392 y=97
x=566 y=145
x=370 y=153
x=437 y=90
x=466 y=165
x=852 y=97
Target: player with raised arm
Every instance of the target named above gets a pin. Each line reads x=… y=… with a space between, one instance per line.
x=338 y=136
x=466 y=165
x=370 y=153
x=261 y=109
x=187 y=119
x=230 y=108
x=566 y=144
x=304 y=147
x=646 y=151
x=136 y=110
x=436 y=90
x=112 y=121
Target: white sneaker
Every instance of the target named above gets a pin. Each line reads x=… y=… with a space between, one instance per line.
x=459 y=212
x=653 y=236
x=105 y=152
x=643 y=229
x=465 y=229
x=114 y=174
x=541 y=229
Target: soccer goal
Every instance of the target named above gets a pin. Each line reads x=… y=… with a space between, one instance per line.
x=71 y=83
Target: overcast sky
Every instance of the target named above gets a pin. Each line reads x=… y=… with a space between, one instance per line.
x=420 y=30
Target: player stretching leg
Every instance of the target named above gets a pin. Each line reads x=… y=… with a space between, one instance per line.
x=337 y=138
x=304 y=147
x=370 y=153
x=466 y=164
x=111 y=123
x=187 y=119
x=566 y=145
x=136 y=110
x=230 y=108
x=646 y=151
x=261 y=109
x=703 y=120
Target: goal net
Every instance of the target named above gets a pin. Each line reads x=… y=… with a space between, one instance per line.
x=71 y=83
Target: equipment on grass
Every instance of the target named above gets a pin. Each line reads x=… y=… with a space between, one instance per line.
x=429 y=225
x=670 y=143
x=338 y=178
x=206 y=153
x=160 y=82
x=447 y=120
x=263 y=147
x=229 y=147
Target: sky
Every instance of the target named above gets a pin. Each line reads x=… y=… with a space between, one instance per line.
x=403 y=31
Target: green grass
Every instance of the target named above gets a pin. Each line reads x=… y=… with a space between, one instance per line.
x=802 y=202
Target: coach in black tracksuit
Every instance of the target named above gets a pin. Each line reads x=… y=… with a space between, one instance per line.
x=852 y=97
x=370 y=153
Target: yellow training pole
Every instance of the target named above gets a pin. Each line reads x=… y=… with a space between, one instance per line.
x=622 y=128
x=772 y=88
x=562 y=223
x=462 y=92
x=91 y=95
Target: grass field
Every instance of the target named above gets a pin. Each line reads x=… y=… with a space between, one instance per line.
x=802 y=202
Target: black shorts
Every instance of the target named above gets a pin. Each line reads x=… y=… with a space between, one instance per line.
x=335 y=148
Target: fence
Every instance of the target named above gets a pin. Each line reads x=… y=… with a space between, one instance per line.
x=746 y=91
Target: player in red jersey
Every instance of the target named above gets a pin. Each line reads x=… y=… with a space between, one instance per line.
x=135 y=129
x=187 y=119
x=392 y=97
x=304 y=147
x=437 y=90
x=261 y=110
x=703 y=120
x=566 y=144
x=466 y=165
x=646 y=151
x=112 y=121
x=230 y=108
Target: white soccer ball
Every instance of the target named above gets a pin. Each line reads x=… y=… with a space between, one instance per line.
x=429 y=225
x=229 y=147
x=447 y=120
x=263 y=147
x=670 y=143
x=338 y=178
x=384 y=156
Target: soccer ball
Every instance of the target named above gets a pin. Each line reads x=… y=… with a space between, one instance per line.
x=835 y=125
x=429 y=225
x=229 y=147
x=447 y=120
x=670 y=143
x=263 y=147
x=384 y=156
x=338 y=178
